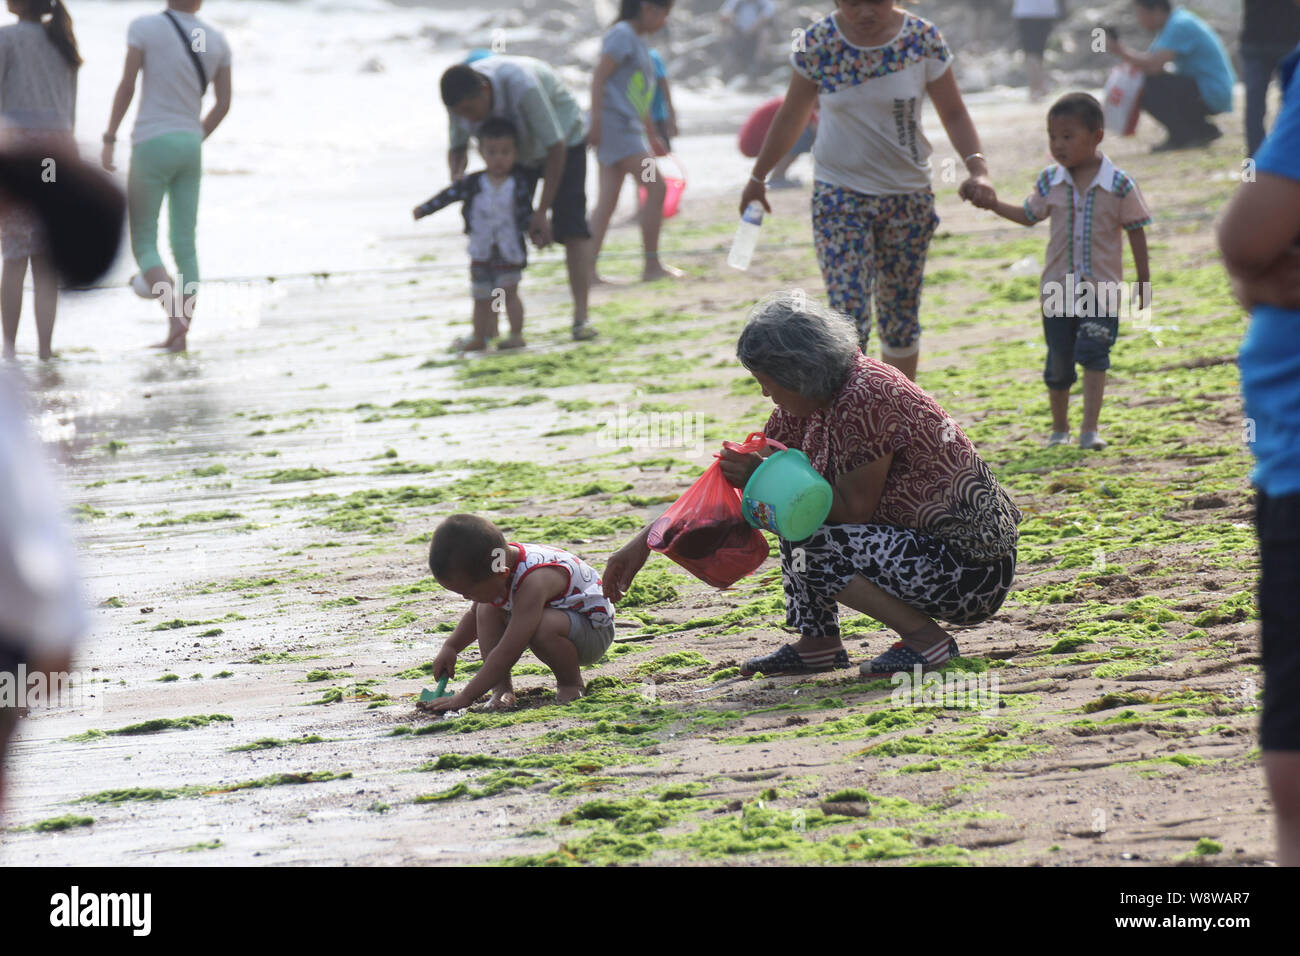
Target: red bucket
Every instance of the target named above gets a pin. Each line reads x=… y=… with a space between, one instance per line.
x=674 y=177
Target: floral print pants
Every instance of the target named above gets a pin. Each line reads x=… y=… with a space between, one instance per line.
x=875 y=244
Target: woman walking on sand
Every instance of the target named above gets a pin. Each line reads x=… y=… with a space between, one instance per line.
x=180 y=56
x=869 y=65
x=38 y=100
x=622 y=90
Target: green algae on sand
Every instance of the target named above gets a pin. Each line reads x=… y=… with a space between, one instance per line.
x=59 y=824
x=157 y=725
x=632 y=829
x=271 y=743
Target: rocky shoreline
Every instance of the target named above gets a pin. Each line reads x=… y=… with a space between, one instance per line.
x=566 y=33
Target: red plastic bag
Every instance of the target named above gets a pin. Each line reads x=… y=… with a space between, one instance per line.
x=705 y=532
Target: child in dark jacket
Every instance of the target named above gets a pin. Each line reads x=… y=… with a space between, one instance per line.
x=497 y=209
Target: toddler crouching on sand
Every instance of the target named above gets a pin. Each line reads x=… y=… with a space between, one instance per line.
x=525 y=596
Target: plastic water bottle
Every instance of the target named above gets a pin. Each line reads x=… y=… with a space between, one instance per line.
x=742 y=247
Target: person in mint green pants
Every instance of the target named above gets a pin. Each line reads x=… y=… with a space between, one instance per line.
x=168 y=165
x=179 y=55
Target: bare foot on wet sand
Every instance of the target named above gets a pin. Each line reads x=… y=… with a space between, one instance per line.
x=660 y=271
x=502 y=699
x=567 y=695
x=175 y=341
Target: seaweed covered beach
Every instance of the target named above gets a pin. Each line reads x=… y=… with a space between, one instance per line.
x=254 y=518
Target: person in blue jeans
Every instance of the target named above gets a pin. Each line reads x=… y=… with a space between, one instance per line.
x=1258 y=239
x=1270 y=30
x=1200 y=84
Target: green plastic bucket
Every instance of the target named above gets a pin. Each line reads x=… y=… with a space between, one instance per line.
x=786 y=496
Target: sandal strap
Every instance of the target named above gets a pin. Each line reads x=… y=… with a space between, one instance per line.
x=903 y=658
x=787 y=660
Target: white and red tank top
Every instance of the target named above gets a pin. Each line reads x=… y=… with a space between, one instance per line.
x=583 y=593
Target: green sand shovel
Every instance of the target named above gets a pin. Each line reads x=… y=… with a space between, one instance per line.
x=427 y=695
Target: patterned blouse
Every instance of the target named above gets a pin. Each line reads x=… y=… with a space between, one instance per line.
x=937 y=483
x=870 y=137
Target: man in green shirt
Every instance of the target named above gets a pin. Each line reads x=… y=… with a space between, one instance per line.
x=552 y=149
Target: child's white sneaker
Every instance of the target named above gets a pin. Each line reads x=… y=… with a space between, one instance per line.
x=1092 y=441
x=1058 y=438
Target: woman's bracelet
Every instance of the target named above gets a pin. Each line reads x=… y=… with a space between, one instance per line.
x=975 y=156
x=755 y=179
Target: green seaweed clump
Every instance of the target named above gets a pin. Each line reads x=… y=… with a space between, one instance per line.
x=677 y=661
x=58 y=824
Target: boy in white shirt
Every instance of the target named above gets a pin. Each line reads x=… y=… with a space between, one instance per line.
x=497 y=210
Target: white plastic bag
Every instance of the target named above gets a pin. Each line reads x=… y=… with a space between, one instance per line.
x=1121 y=99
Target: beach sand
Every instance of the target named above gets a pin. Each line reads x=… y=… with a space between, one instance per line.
x=254 y=518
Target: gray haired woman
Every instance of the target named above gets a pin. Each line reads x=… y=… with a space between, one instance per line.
x=919 y=527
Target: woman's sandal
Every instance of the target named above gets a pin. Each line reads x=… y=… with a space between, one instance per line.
x=788 y=661
x=902 y=658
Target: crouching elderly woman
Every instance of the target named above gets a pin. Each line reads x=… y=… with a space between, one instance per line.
x=919 y=528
